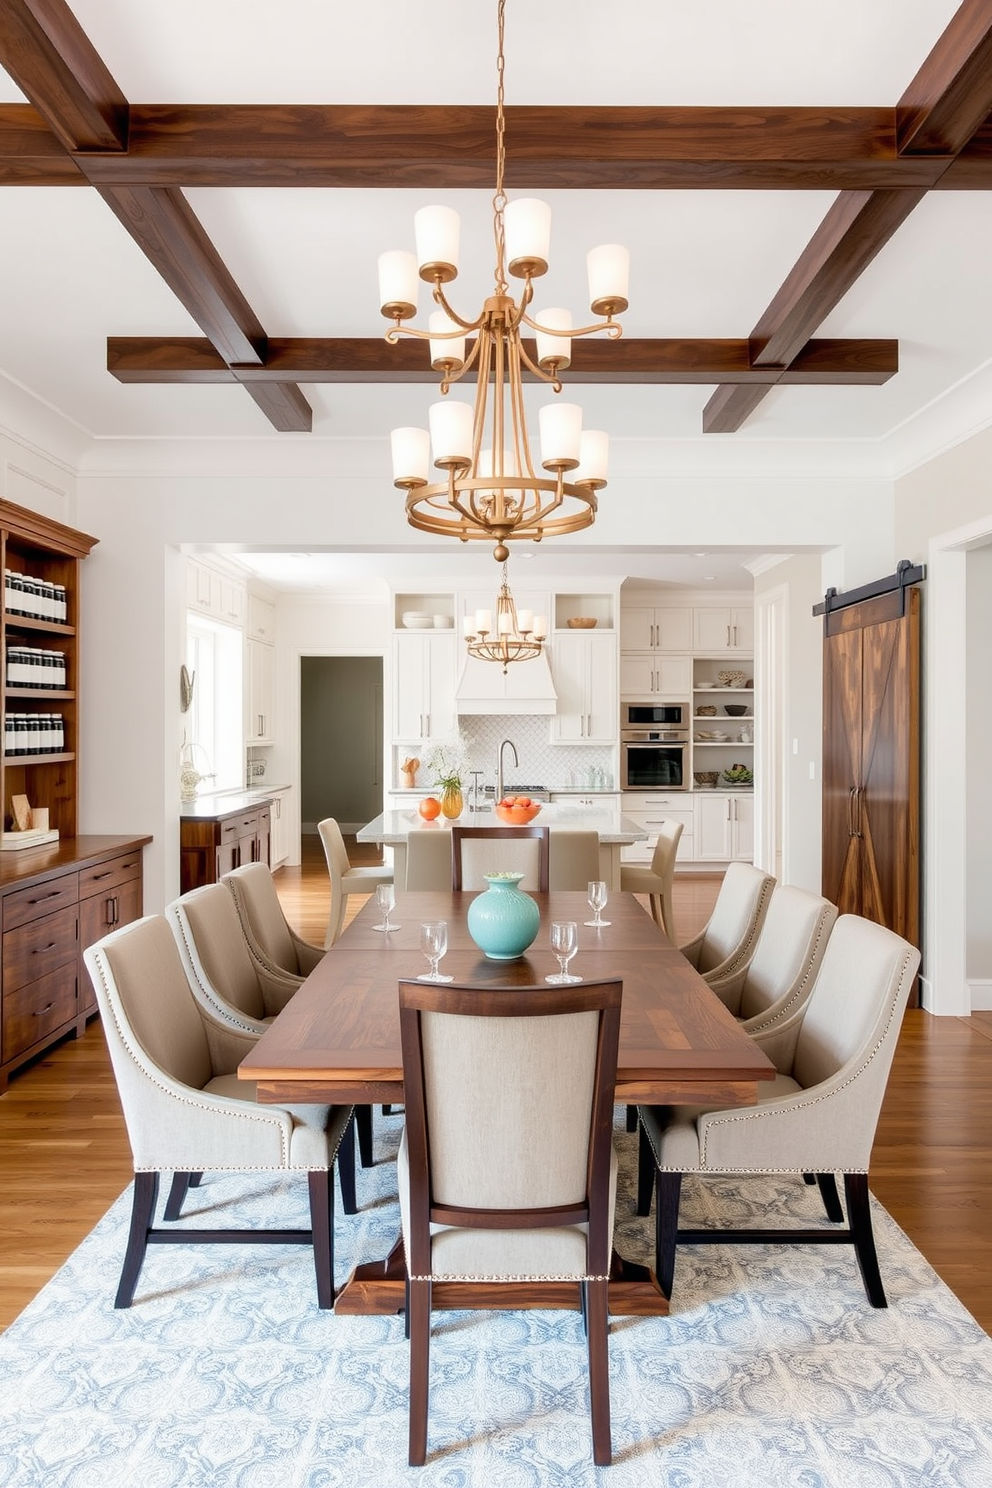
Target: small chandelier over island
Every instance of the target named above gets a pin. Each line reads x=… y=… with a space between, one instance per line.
x=490 y=488
x=516 y=636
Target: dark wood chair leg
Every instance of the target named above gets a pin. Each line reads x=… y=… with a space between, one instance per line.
x=631 y=1118
x=598 y=1329
x=667 y=1189
x=363 y=1125
x=181 y=1184
x=584 y=1306
x=419 y=1314
x=346 y=1169
x=827 y=1184
x=142 y=1214
x=859 y=1219
x=321 y=1184
x=645 y=1173
x=809 y=1179
x=195 y=1179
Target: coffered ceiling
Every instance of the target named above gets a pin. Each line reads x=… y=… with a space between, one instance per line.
x=195 y=192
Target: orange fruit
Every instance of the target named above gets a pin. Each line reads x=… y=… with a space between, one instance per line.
x=429 y=808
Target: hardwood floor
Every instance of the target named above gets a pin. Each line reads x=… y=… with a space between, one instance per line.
x=64 y=1155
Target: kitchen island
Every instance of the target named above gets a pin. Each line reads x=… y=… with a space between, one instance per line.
x=392 y=828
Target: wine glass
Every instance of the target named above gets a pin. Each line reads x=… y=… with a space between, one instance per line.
x=434 y=943
x=564 y=943
x=598 y=895
x=385 y=898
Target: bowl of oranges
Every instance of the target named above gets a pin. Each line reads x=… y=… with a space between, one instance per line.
x=517 y=811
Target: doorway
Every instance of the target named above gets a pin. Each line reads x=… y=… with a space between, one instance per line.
x=340 y=740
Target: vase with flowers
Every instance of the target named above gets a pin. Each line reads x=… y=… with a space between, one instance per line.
x=446 y=762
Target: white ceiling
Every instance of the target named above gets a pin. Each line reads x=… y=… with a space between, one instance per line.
x=703 y=263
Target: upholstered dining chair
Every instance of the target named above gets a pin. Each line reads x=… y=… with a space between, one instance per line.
x=573 y=859
x=727 y=943
x=428 y=859
x=186 y=1110
x=787 y=956
x=476 y=851
x=272 y=941
x=818 y=1116
x=345 y=879
x=655 y=878
x=481 y=1202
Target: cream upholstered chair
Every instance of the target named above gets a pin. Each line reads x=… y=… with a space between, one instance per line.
x=728 y=941
x=345 y=880
x=819 y=1114
x=655 y=878
x=573 y=859
x=480 y=1199
x=223 y=975
x=187 y=1111
x=272 y=941
x=782 y=972
x=428 y=859
x=476 y=851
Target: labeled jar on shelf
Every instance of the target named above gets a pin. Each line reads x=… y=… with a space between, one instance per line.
x=33 y=733
x=30 y=666
x=38 y=599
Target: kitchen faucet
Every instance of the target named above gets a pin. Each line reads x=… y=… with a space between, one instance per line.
x=499 y=766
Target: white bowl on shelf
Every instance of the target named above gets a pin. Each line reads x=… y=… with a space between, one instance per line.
x=413 y=620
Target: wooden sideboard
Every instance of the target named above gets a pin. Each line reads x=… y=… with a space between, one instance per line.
x=220 y=833
x=54 y=902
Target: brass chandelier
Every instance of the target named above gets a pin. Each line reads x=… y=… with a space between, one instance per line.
x=490 y=489
x=515 y=636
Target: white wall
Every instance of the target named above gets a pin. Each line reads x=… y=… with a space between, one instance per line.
x=976 y=701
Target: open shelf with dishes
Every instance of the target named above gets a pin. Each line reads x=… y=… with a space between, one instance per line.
x=722 y=725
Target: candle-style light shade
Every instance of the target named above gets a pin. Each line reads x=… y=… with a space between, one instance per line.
x=451 y=433
x=594 y=458
x=561 y=435
x=527 y=224
x=398 y=284
x=411 y=449
x=609 y=278
x=445 y=353
x=554 y=351
x=437 y=231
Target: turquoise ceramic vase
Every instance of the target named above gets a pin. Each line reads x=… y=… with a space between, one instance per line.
x=503 y=921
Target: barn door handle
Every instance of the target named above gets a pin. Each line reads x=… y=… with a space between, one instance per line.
x=860 y=793
x=851 y=797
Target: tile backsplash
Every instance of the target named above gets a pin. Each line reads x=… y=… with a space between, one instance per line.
x=556 y=766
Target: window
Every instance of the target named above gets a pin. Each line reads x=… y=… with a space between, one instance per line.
x=215 y=721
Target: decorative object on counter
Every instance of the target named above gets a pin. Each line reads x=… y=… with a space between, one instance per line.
x=408 y=771
x=515 y=637
x=731 y=678
x=739 y=775
x=494 y=493
x=186 y=681
x=706 y=779
x=30 y=827
x=582 y=622
x=517 y=811
x=708 y=710
x=735 y=710
x=190 y=778
x=503 y=920
x=452 y=802
x=447 y=764
x=430 y=808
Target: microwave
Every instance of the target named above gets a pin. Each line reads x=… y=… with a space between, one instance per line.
x=653 y=715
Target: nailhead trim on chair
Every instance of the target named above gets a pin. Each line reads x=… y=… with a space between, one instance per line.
x=229 y=1015
x=444 y=1276
x=255 y=951
x=812 y=968
x=742 y=956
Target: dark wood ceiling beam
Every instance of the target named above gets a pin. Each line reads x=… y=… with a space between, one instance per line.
x=47 y=53
x=30 y=155
x=190 y=359
x=950 y=96
x=731 y=406
x=283 y=404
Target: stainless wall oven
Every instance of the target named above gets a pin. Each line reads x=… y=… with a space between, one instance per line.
x=654 y=746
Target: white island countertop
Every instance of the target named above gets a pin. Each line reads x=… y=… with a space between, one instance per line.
x=392 y=828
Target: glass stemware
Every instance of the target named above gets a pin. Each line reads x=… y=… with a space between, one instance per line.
x=434 y=944
x=385 y=898
x=598 y=895
x=564 y=943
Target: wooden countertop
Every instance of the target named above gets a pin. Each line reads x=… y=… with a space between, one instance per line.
x=20 y=869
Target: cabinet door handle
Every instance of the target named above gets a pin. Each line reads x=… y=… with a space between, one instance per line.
x=735 y=635
x=728 y=637
x=729 y=818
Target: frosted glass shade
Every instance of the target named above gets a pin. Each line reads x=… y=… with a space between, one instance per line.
x=557 y=349
x=609 y=278
x=451 y=433
x=527 y=223
x=436 y=230
x=561 y=435
x=411 y=456
x=398 y=284
x=594 y=455
x=445 y=351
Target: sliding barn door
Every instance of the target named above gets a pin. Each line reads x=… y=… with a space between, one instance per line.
x=871 y=761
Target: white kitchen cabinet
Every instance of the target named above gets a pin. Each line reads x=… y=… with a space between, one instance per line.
x=724 y=827
x=584 y=667
x=649 y=809
x=261 y=619
x=261 y=693
x=645 y=674
x=723 y=629
x=423 y=686
x=279 y=840
x=656 y=629
x=213 y=593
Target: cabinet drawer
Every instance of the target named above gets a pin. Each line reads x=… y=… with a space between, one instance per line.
x=42 y=899
x=36 y=1010
x=105 y=876
x=33 y=950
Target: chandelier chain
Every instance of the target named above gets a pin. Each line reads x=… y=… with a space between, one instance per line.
x=499 y=199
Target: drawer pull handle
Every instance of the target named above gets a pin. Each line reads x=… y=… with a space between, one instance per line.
x=55 y=894
x=40 y=1012
x=40 y=950
x=97 y=876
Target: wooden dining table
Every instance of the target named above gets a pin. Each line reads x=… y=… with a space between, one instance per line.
x=338 y=1041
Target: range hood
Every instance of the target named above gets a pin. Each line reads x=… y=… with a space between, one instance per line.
x=527 y=687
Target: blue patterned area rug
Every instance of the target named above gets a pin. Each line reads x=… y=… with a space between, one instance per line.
x=771 y=1370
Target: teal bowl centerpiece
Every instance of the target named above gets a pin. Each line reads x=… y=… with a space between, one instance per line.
x=503 y=920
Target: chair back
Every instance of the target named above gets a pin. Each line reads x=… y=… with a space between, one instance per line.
x=791 y=943
x=428 y=859
x=484 y=1070
x=476 y=851
x=261 y=916
x=573 y=859
x=737 y=915
x=215 y=953
x=854 y=1012
x=334 y=849
x=663 y=867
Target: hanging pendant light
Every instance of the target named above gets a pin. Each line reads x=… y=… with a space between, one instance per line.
x=515 y=635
